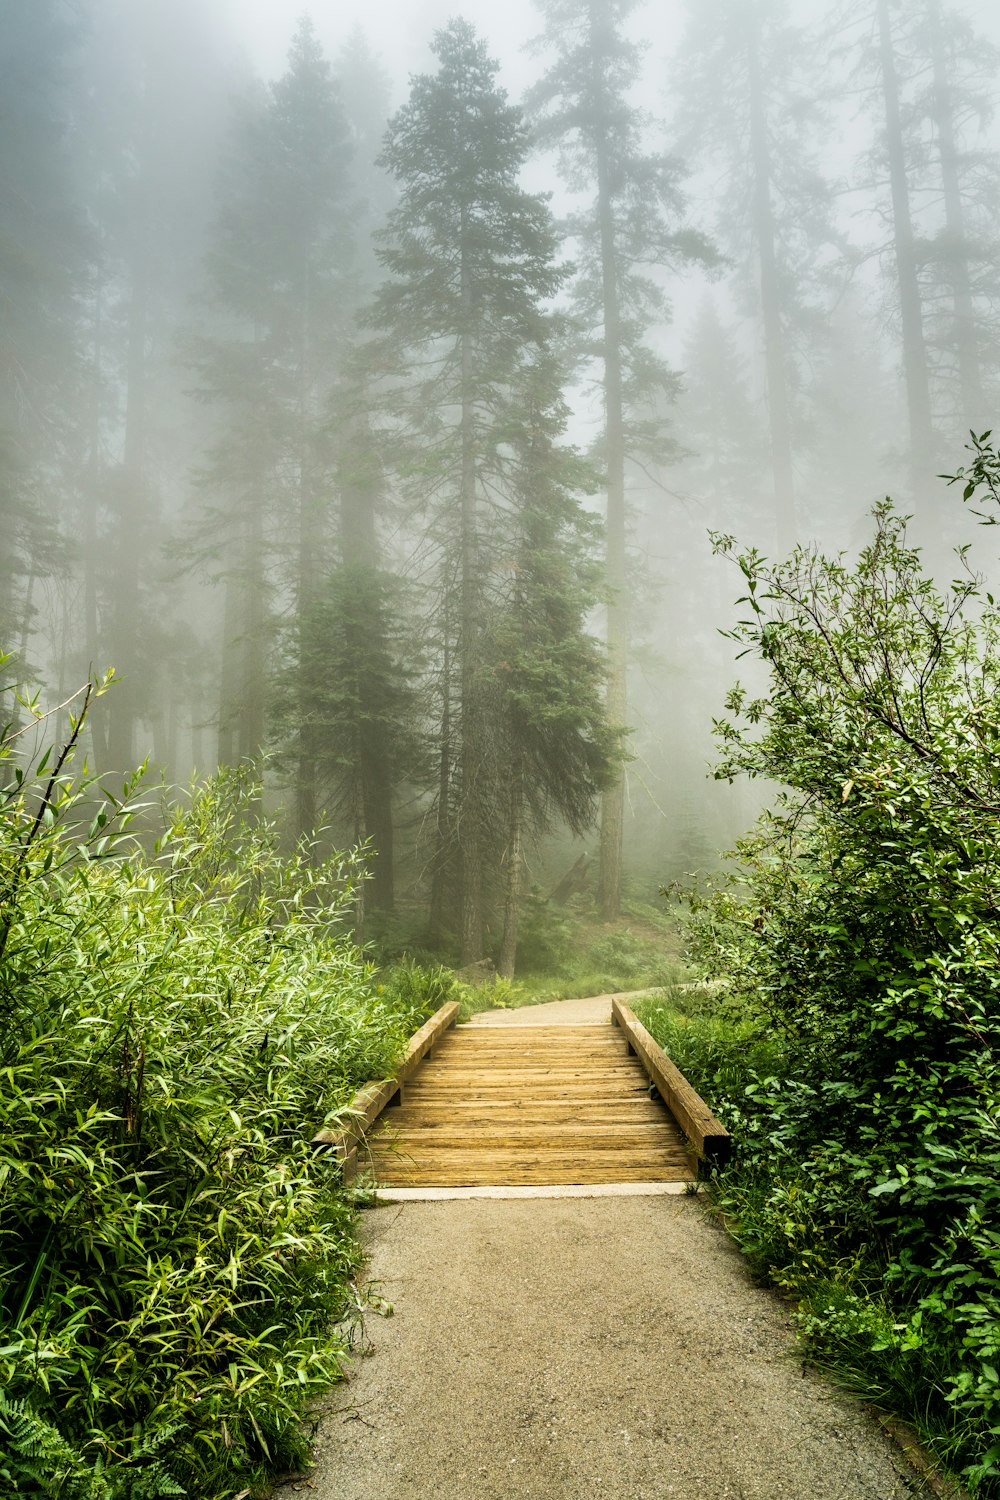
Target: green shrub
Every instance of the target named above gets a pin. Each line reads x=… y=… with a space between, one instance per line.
x=861 y=929
x=174 y=1028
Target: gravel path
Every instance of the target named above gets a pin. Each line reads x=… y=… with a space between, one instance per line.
x=584 y=1349
x=570 y=1349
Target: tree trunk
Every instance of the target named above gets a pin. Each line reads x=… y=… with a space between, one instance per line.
x=378 y=789
x=253 y=655
x=515 y=866
x=360 y=834
x=442 y=864
x=359 y=495
x=229 y=674
x=915 y=371
x=776 y=369
x=124 y=701
x=609 y=886
x=310 y=543
x=20 y=663
x=957 y=269
x=90 y=546
x=471 y=758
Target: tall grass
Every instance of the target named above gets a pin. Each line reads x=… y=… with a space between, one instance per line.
x=175 y=1025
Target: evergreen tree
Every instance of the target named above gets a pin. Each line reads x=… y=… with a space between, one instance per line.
x=557 y=751
x=745 y=106
x=364 y=89
x=44 y=261
x=891 y=157
x=281 y=273
x=956 y=172
x=631 y=221
x=928 y=79
x=360 y=698
x=470 y=258
x=363 y=701
x=145 y=154
x=726 y=469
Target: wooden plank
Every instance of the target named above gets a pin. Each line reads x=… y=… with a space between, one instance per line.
x=534 y=1041
x=511 y=1095
x=601 y=1136
x=709 y=1138
x=518 y=1162
x=569 y=1062
x=535 y=1179
x=515 y=1171
x=369 y=1102
x=536 y=1088
x=476 y=1057
x=533 y=1036
x=587 y=1077
x=584 y=1028
x=496 y=1116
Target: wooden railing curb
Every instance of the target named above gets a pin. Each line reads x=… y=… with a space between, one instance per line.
x=369 y=1102
x=710 y=1139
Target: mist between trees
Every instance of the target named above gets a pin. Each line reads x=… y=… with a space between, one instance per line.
x=354 y=456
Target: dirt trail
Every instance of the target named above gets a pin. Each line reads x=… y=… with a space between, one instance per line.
x=578 y=1348
x=589 y=1012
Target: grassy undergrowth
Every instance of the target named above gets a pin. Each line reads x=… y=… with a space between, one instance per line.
x=563 y=953
x=174 y=1027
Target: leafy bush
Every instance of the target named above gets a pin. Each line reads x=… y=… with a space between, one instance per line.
x=174 y=1028
x=862 y=926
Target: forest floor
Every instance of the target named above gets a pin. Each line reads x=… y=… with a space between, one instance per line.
x=574 y=1348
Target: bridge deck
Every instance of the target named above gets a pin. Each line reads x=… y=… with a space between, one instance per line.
x=528 y=1106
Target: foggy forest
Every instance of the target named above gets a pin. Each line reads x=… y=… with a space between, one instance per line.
x=443 y=475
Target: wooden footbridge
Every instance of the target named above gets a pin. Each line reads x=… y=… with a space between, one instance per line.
x=528 y=1106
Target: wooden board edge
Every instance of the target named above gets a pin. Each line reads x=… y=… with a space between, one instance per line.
x=708 y=1136
x=369 y=1102
x=423 y=1040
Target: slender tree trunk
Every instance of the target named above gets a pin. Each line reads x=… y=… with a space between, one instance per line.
x=229 y=674
x=253 y=717
x=918 y=399
x=359 y=491
x=609 y=885
x=775 y=361
x=124 y=702
x=90 y=546
x=957 y=269
x=442 y=864
x=199 y=745
x=310 y=542
x=472 y=749
x=20 y=664
x=360 y=834
x=515 y=866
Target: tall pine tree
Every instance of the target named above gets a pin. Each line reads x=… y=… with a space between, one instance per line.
x=747 y=111
x=44 y=266
x=632 y=220
x=471 y=261
x=281 y=273
x=547 y=673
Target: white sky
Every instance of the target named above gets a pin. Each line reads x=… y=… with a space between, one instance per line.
x=399 y=31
